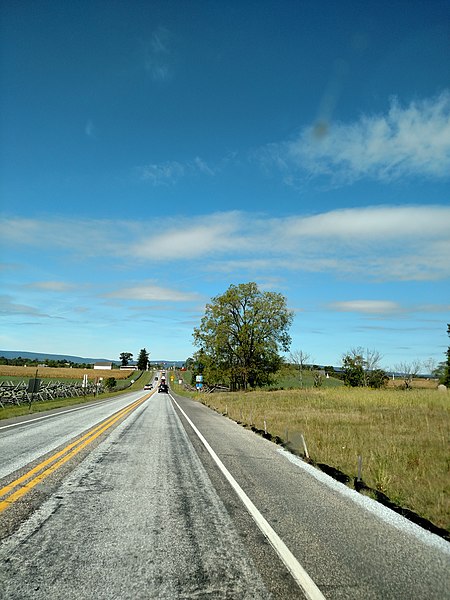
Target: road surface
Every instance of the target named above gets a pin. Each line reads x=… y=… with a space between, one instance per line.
x=173 y=500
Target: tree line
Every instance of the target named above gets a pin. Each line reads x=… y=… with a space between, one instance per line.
x=20 y=361
x=142 y=362
x=243 y=331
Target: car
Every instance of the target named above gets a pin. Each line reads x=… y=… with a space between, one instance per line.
x=148 y=386
x=163 y=388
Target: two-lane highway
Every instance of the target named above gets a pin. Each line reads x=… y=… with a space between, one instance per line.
x=179 y=502
x=26 y=439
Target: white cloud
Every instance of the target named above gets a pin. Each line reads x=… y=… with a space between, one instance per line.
x=168 y=173
x=163 y=173
x=191 y=238
x=153 y=293
x=405 y=142
x=378 y=243
x=366 y=306
x=51 y=286
x=373 y=223
x=87 y=237
x=158 y=55
x=9 y=307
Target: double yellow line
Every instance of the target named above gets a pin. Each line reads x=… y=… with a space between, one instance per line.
x=29 y=480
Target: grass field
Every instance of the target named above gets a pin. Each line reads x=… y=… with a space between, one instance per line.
x=11 y=373
x=402 y=436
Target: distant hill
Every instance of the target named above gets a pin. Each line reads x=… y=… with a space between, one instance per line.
x=78 y=359
x=42 y=356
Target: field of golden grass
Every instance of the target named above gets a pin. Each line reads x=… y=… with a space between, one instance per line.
x=402 y=436
x=60 y=373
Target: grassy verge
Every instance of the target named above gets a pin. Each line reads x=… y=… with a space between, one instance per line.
x=15 y=411
x=402 y=436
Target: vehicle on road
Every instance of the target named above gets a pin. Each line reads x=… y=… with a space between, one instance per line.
x=163 y=388
x=148 y=386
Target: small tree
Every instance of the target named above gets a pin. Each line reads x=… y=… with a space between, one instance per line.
x=408 y=370
x=377 y=378
x=353 y=367
x=318 y=379
x=110 y=383
x=358 y=364
x=446 y=378
x=142 y=361
x=430 y=365
x=299 y=359
x=125 y=358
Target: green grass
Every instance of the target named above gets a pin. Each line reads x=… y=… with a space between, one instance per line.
x=402 y=436
x=290 y=380
x=286 y=379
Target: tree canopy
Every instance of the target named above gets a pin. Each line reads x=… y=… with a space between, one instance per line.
x=125 y=358
x=360 y=367
x=241 y=334
x=142 y=361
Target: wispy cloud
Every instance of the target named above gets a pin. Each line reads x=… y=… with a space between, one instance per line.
x=153 y=293
x=377 y=243
x=192 y=238
x=407 y=141
x=158 y=55
x=168 y=173
x=373 y=222
x=9 y=307
x=386 y=307
x=50 y=286
x=91 y=236
x=366 y=306
x=89 y=129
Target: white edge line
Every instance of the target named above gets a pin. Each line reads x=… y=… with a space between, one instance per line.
x=379 y=510
x=299 y=574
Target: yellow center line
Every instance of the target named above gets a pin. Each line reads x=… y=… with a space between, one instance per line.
x=55 y=456
x=69 y=451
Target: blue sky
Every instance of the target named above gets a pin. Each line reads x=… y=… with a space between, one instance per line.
x=153 y=153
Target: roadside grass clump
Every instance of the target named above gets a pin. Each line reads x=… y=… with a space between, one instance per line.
x=402 y=437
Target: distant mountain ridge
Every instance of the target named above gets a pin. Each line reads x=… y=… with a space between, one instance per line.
x=42 y=356
x=77 y=359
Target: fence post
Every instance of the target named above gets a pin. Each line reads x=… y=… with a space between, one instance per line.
x=305 y=449
x=359 y=477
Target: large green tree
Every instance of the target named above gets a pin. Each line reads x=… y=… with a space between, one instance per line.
x=142 y=361
x=241 y=334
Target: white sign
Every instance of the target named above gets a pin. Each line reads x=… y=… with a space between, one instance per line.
x=199 y=378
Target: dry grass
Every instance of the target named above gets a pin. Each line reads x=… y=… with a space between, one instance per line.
x=418 y=383
x=402 y=436
x=59 y=373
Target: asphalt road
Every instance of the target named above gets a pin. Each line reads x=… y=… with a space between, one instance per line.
x=161 y=508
